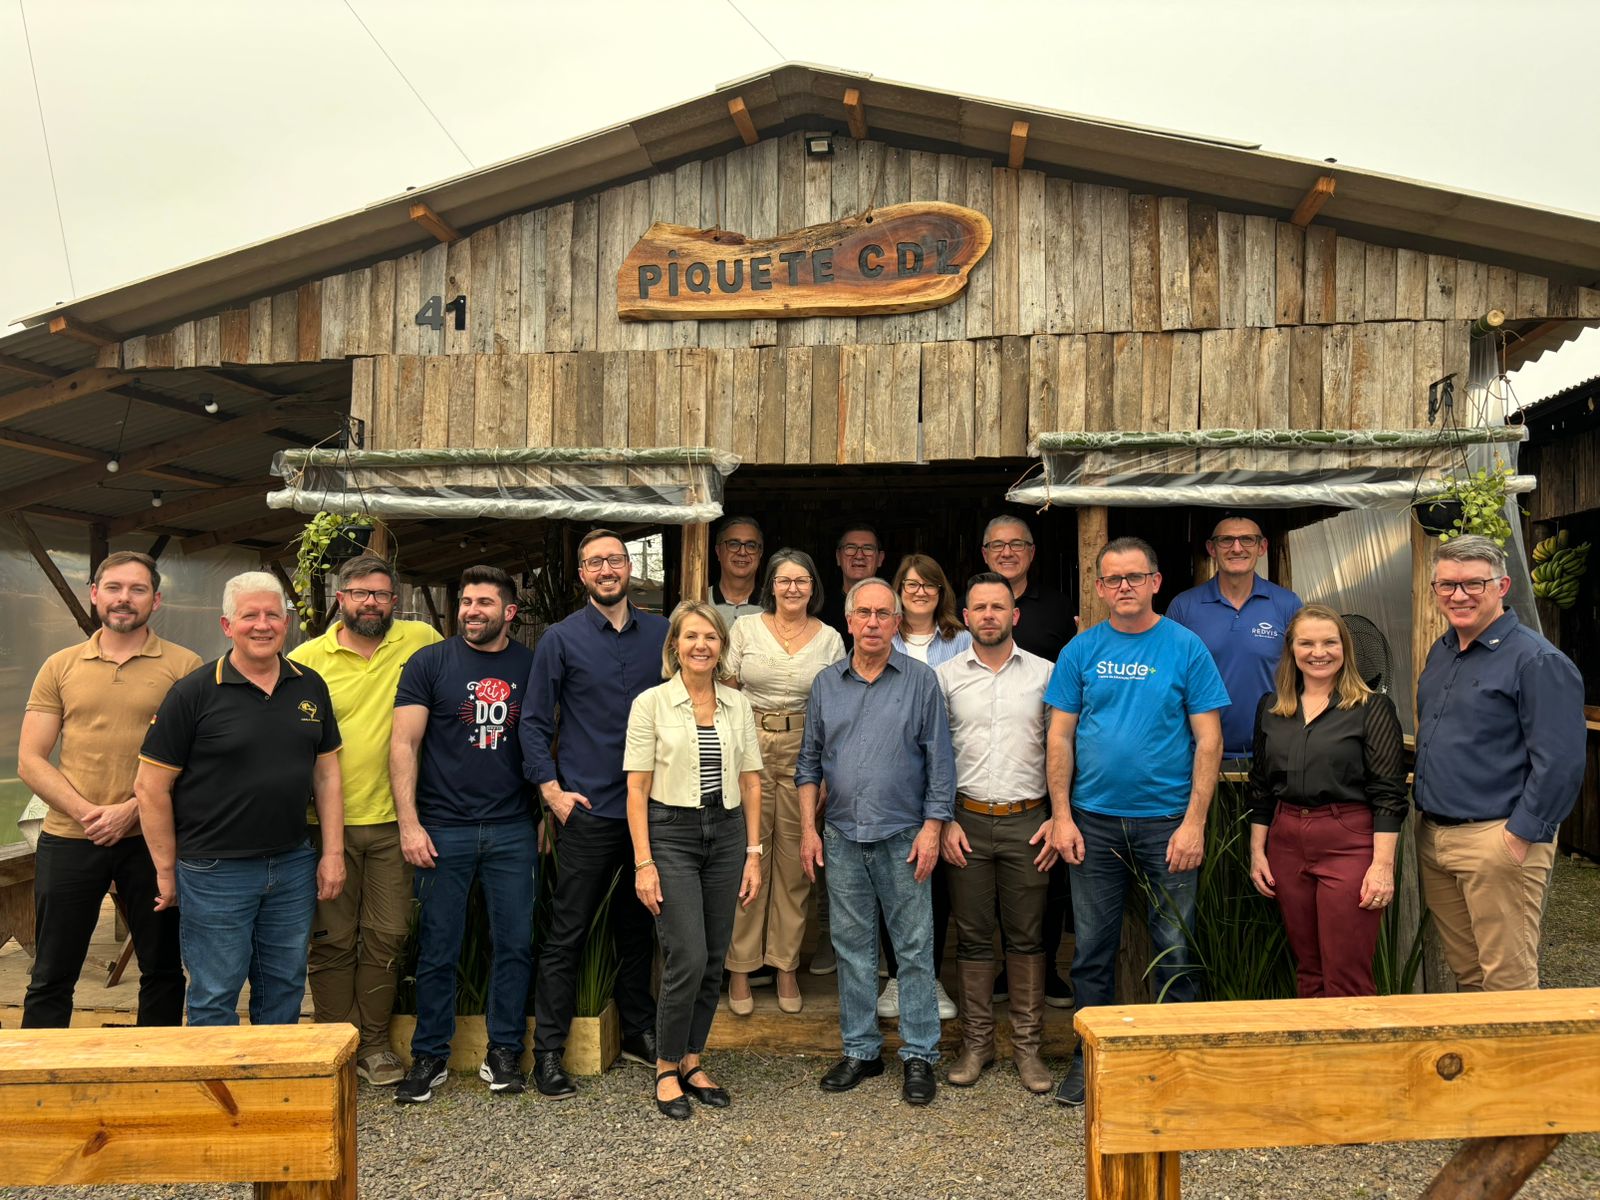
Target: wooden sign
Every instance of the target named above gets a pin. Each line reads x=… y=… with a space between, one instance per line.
x=897 y=259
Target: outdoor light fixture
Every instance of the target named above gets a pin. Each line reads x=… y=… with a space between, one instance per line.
x=113 y=465
x=209 y=402
x=462 y=544
x=155 y=499
x=819 y=145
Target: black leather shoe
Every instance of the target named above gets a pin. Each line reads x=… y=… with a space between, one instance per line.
x=550 y=1077
x=919 y=1086
x=678 y=1107
x=711 y=1097
x=1072 y=1088
x=640 y=1048
x=848 y=1072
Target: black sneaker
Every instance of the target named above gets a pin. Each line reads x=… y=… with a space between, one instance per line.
x=501 y=1071
x=427 y=1072
x=1071 y=1090
x=1057 y=991
x=640 y=1048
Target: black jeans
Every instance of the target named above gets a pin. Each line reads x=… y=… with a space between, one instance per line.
x=941 y=924
x=71 y=878
x=590 y=852
x=699 y=855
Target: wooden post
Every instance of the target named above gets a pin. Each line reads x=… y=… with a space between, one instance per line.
x=53 y=573
x=1492 y=1168
x=99 y=547
x=696 y=574
x=1092 y=521
x=1427 y=625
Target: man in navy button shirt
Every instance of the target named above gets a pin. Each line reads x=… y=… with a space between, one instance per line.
x=1241 y=618
x=587 y=670
x=1500 y=753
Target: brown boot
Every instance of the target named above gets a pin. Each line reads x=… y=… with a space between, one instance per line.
x=1027 y=1019
x=976 y=981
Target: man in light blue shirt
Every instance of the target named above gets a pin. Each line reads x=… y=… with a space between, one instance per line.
x=1241 y=618
x=1132 y=754
x=877 y=734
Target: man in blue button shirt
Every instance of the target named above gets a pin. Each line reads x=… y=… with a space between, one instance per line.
x=587 y=669
x=878 y=735
x=1241 y=618
x=1500 y=754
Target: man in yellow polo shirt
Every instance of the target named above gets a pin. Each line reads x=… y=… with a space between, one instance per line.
x=357 y=938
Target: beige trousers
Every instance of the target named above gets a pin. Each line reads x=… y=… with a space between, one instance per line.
x=771 y=929
x=1486 y=906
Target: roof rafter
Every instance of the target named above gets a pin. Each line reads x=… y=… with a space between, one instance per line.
x=176 y=510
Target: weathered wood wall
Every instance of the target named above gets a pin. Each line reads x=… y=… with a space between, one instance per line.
x=1067 y=258
x=1569 y=475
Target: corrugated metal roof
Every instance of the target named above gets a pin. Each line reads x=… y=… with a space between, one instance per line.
x=1562 y=245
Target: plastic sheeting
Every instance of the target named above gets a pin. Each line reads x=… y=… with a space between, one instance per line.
x=670 y=486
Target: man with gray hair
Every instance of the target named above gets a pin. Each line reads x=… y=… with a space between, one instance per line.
x=233 y=753
x=878 y=736
x=1500 y=752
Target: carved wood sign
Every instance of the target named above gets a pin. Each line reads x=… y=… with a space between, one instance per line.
x=897 y=259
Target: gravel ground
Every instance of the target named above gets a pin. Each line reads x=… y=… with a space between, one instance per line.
x=785 y=1138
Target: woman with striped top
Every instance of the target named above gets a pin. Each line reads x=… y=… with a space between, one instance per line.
x=694 y=813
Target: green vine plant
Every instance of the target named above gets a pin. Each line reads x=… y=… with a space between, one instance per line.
x=313 y=558
x=1482 y=495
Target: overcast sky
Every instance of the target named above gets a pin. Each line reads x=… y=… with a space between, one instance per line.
x=182 y=128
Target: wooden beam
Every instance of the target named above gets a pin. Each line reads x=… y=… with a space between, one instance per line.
x=742 y=121
x=1493 y=1168
x=857 y=113
x=434 y=223
x=276 y=567
x=53 y=573
x=1092 y=536
x=696 y=562
x=1311 y=203
x=1520 y=346
x=39 y=490
x=87 y=382
x=176 y=510
x=1019 y=145
x=33 y=443
x=159 y=545
x=143 y=395
x=433 y=609
x=82 y=331
x=271 y=523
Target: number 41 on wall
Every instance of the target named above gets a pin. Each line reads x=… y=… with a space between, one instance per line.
x=432 y=313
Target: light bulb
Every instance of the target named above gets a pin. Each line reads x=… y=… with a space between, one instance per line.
x=209 y=402
x=113 y=466
x=155 y=499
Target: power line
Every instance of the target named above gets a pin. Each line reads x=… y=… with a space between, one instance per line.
x=49 y=158
x=407 y=82
x=759 y=34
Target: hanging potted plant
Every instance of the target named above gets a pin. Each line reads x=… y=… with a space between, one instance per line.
x=1470 y=503
x=327 y=540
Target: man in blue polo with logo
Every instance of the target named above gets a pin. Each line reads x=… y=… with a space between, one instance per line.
x=1131 y=757
x=1241 y=618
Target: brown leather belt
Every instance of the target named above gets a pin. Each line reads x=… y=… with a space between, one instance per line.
x=1005 y=808
x=790 y=721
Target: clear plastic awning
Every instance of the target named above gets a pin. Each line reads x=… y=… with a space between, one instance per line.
x=668 y=486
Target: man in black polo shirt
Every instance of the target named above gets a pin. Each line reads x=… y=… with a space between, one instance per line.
x=234 y=753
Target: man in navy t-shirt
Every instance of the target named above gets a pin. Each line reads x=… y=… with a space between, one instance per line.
x=1241 y=618
x=465 y=812
x=1133 y=748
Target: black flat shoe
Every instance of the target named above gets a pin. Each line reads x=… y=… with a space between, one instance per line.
x=678 y=1107
x=550 y=1077
x=848 y=1072
x=919 y=1086
x=711 y=1097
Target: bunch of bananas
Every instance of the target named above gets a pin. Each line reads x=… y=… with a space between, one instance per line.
x=1557 y=569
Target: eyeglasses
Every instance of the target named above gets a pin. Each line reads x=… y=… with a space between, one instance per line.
x=1135 y=579
x=1015 y=545
x=873 y=614
x=615 y=561
x=362 y=595
x=917 y=587
x=853 y=548
x=737 y=547
x=1245 y=541
x=796 y=583
x=1472 y=587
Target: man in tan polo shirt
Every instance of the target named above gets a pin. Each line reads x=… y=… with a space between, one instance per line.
x=97 y=699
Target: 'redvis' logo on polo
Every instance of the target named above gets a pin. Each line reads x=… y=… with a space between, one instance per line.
x=490 y=711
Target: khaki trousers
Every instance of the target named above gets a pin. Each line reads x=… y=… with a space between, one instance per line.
x=356 y=939
x=999 y=868
x=771 y=929
x=1486 y=906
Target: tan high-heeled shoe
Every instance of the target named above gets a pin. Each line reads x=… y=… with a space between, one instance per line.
x=789 y=1004
x=741 y=1006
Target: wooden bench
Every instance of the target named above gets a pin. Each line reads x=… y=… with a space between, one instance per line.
x=269 y=1105
x=1512 y=1071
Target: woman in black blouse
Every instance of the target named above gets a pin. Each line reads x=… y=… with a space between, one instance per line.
x=1327 y=799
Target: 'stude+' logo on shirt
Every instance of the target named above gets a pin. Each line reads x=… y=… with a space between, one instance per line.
x=490 y=711
x=1106 y=669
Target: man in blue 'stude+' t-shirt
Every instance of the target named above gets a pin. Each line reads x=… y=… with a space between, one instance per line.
x=1133 y=748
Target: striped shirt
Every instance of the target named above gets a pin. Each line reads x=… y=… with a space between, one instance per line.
x=710 y=760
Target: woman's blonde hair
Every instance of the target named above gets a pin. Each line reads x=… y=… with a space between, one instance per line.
x=670 y=665
x=1351 y=690
x=944 y=615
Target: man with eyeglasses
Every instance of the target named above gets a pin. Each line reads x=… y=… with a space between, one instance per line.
x=1241 y=618
x=738 y=546
x=1046 y=618
x=357 y=937
x=587 y=670
x=1500 y=760
x=859 y=553
x=1132 y=753
x=878 y=736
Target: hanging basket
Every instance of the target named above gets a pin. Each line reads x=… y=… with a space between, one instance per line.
x=1438 y=516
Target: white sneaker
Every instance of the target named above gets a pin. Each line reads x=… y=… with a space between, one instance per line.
x=889 y=1002
x=947 y=1006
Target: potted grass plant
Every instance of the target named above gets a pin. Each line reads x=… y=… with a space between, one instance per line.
x=595 y=1038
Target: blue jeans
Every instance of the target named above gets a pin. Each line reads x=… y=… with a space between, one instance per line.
x=505 y=857
x=247 y=918
x=1113 y=848
x=862 y=876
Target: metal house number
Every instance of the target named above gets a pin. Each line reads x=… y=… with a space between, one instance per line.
x=432 y=313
